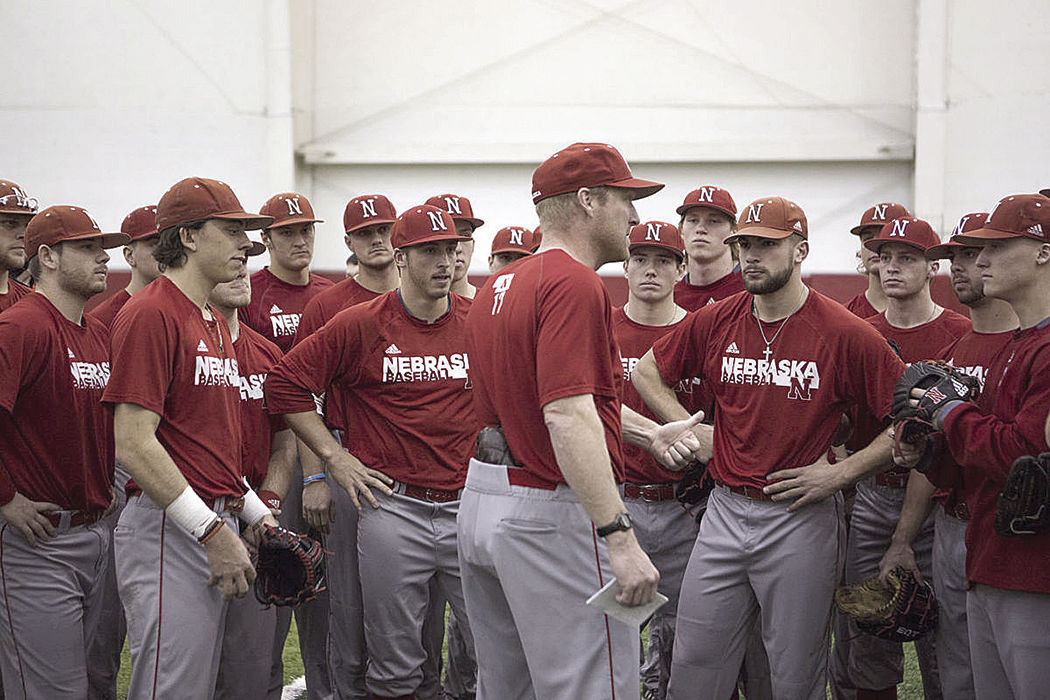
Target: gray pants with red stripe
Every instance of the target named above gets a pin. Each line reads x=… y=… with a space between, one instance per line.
x=530 y=559
x=752 y=560
x=1009 y=644
x=51 y=607
x=949 y=585
x=175 y=619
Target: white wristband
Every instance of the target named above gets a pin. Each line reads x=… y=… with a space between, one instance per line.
x=190 y=511
x=254 y=509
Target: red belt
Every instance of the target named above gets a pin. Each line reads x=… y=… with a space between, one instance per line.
x=76 y=519
x=751 y=492
x=652 y=493
x=895 y=480
x=959 y=510
x=421 y=493
x=519 y=477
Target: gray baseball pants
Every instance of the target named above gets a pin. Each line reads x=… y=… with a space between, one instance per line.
x=530 y=559
x=1009 y=643
x=949 y=585
x=347 y=657
x=175 y=619
x=754 y=560
x=51 y=606
x=401 y=546
x=874 y=663
x=244 y=664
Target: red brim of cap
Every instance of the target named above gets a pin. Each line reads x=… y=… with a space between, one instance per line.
x=256 y=249
x=982 y=235
x=640 y=189
x=857 y=230
x=939 y=252
x=109 y=240
x=686 y=207
x=438 y=238
x=670 y=249
x=252 y=222
x=293 y=222
x=143 y=236
x=875 y=244
x=760 y=232
x=1045 y=193
x=476 y=223
x=18 y=212
x=370 y=222
x=511 y=249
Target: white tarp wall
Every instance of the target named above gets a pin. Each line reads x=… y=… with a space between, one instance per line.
x=940 y=105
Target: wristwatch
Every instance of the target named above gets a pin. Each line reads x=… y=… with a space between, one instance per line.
x=621 y=523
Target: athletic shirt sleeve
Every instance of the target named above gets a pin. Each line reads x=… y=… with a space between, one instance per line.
x=872 y=371
x=679 y=354
x=142 y=345
x=21 y=359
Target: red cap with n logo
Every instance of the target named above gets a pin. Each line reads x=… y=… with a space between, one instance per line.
x=141 y=223
x=67 y=223
x=907 y=230
x=711 y=197
x=289 y=208
x=423 y=224
x=969 y=222
x=1016 y=216
x=512 y=239
x=771 y=217
x=457 y=207
x=878 y=215
x=366 y=210
x=659 y=234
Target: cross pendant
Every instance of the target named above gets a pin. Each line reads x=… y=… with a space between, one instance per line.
x=767 y=352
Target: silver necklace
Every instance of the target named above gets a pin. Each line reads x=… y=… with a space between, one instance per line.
x=767 y=352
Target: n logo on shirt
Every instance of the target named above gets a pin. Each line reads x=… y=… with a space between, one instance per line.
x=500 y=289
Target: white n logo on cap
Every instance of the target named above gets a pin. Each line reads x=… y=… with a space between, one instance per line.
x=652 y=232
x=293 y=206
x=899 y=226
x=879 y=212
x=436 y=222
x=368 y=208
x=452 y=204
x=515 y=237
x=705 y=194
x=20 y=196
x=960 y=227
x=94 y=224
x=754 y=213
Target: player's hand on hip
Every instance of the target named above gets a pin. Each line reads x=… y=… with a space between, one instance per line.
x=355 y=477
x=805 y=485
x=318 y=509
x=899 y=554
x=29 y=518
x=676 y=444
x=231 y=568
x=632 y=568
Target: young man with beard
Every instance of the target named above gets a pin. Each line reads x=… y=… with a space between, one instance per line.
x=783 y=362
x=268 y=464
x=665 y=529
x=708 y=216
x=16 y=209
x=400 y=362
x=993 y=325
x=542 y=525
x=466 y=224
x=367 y=220
x=918 y=328
x=141 y=226
x=872 y=301
x=175 y=389
x=1008 y=593
x=56 y=486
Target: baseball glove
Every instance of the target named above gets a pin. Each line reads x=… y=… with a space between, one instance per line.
x=941 y=383
x=901 y=610
x=1024 y=503
x=290 y=569
x=695 y=484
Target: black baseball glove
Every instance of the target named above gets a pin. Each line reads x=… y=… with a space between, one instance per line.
x=901 y=610
x=940 y=383
x=1024 y=503
x=290 y=569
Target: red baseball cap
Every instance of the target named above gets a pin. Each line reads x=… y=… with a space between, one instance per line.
x=878 y=215
x=711 y=197
x=199 y=199
x=969 y=222
x=457 y=207
x=66 y=223
x=13 y=200
x=587 y=165
x=907 y=230
x=659 y=234
x=367 y=210
x=537 y=238
x=423 y=224
x=141 y=223
x=771 y=217
x=289 y=208
x=1046 y=192
x=512 y=239
x=1016 y=216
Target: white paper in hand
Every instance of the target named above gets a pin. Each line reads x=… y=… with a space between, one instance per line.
x=605 y=600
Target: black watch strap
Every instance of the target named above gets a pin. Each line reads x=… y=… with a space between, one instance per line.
x=621 y=523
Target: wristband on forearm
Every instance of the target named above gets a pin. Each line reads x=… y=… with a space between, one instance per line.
x=320 y=476
x=271 y=499
x=254 y=509
x=189 y=511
